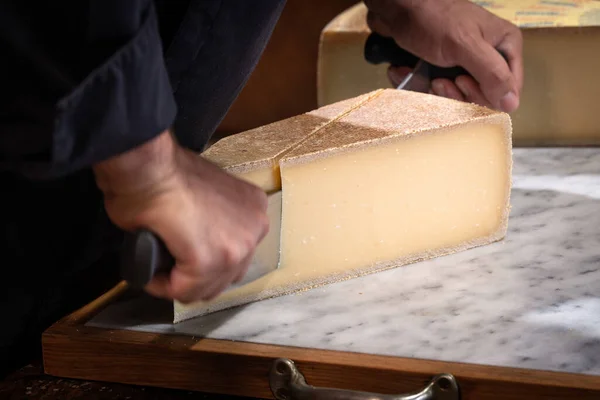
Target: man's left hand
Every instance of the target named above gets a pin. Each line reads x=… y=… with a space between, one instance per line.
x=448 y=33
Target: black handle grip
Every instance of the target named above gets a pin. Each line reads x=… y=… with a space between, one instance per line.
x=143 y=256
x=380 y=49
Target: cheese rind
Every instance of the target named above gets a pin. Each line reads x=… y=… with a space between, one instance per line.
x=253 y=155
x=401 y=178
x=391 y=113
x=558 y=102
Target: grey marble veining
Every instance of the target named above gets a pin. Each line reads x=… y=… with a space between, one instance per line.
x=532 y=300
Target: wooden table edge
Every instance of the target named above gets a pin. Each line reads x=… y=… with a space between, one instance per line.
x=68 y=341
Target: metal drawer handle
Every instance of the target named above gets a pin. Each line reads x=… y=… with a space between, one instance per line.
x=287 y=383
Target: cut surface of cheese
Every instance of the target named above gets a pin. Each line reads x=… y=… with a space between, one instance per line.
x=401 y=178
x=558 y=102
x=406 y=178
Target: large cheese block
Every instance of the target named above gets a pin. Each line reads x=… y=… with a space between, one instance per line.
x=561 y=39
x=395 y=178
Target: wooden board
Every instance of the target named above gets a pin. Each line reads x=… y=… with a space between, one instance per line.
x=73 y=350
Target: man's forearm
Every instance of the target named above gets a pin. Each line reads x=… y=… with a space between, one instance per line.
x=139 y=168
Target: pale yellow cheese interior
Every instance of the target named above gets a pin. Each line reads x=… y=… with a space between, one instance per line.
x=561 y=61
x=400 y=178
x=396 y=200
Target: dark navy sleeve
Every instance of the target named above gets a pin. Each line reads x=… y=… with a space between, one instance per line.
x=80 y=81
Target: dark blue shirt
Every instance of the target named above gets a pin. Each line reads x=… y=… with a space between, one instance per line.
x=81 y=81
x=84 y=80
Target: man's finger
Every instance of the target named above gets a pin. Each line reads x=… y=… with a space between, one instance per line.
x=188 y=288
x=159 y=287
x=397 y=74
x=218 y=286
x=492 y=72
x=471 y=91
x=244 y=268
x=446 y=88
x=375 y=24
x=512 y=47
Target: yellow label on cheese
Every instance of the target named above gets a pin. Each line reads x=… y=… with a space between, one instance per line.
x=545 y=13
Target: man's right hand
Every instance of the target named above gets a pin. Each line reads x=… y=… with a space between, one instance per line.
x=456 y=33
x=210 y=221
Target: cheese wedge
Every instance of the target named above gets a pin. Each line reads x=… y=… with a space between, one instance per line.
x=558 y=102
x=402 y=177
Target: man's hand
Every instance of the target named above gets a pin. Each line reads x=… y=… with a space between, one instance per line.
x=448 y=33
x=210 y=221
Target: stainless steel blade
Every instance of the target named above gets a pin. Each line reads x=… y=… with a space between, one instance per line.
x=418 y=80
x=266 y=256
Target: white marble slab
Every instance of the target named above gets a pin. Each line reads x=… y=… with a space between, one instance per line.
x=531 y=301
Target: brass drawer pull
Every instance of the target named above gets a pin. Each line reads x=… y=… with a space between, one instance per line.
x=288 y=383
